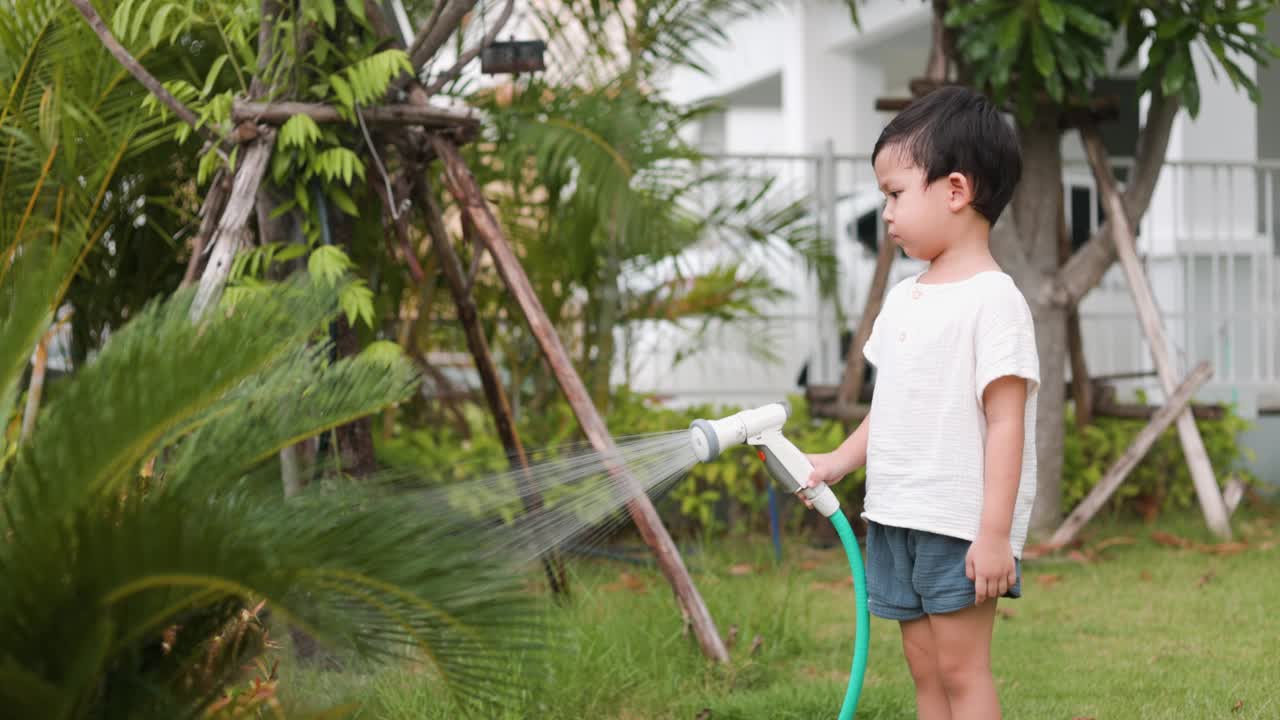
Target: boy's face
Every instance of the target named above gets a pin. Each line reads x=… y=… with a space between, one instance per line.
x=917 y=216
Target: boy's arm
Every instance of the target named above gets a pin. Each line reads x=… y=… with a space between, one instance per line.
x=851 y=455
x=990 y=563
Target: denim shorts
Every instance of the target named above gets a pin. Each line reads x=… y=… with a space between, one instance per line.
x=913 y=573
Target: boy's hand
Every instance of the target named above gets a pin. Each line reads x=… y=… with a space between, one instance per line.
x=826 y=470
x=989 y=564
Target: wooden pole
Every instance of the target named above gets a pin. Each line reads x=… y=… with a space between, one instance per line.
x=1215 y=511
x=935 y=73
x=1121 y=468
x=854 y=363
x=278 y=113
x=233 y=225
x=462 y=185
x=466 y=57
x=140 y=73
x=503 y=418
x=36 y=387
x=1081 y=388
x=210 y=210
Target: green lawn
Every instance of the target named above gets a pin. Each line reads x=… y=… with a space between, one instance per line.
x=1142 y=630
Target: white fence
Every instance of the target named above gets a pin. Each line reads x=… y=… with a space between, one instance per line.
x=1210 y=243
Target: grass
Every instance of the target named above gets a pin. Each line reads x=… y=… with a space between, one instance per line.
x=1130 y=628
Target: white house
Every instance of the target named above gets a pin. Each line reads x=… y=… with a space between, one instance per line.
x=798 y=86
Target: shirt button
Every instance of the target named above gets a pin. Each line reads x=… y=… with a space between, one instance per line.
x=915 y=294
x=902 y=336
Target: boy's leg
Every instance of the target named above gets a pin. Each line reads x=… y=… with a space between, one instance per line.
x=963 y=643
x=922 y=659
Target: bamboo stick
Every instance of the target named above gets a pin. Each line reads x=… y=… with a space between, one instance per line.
x=462 y=185
x=1121 y=468
x=503 y=418
x=855 y=363
x=1215 y=511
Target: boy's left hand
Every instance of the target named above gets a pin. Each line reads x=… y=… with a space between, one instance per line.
x=989 y=564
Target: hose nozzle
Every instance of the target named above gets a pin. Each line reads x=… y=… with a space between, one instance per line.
x=762 y=428
x=710 y=437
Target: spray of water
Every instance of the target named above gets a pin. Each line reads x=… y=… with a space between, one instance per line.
x=570 y=493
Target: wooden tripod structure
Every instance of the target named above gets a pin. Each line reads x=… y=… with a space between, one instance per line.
x=420 y=133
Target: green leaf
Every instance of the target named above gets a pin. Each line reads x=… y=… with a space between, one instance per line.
x=302 y=197
x=281 y=163
x=120 y=21
x=967 y=13
x=339 y=163
x=1067 y=60
x=292 y=251
x=383 y=352
x=342 y=200
x=1086 y=21
x=342 y=90
x=299 y=131
x=1191 y=95
x=1176 y=73
x=1042 y=54
x=1052 y=15
x=208 y=164
x=212 y=77
x=1173 y=26
x=1011 y=31
x=356 y=7
x=328 y=264
x=356 y=301
x=327 y=11
x=139 y=17
x=1053 y=86
x=157 y=24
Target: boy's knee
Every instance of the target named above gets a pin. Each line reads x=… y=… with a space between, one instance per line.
x=961 y=674
x=922 y=661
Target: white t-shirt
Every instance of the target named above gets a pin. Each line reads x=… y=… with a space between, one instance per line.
x=936 y=347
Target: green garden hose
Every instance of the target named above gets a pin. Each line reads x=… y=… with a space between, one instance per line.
x=862 y=625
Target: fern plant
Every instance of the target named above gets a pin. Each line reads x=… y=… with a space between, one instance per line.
x=143 y=513
x=113 y=581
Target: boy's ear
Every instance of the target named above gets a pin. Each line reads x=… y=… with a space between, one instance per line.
x=959 y=191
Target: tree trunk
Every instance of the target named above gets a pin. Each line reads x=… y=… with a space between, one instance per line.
x=1081 y=388
x=1035 y=210
x=601 y=367
x=1051 y=344
x=355 y=439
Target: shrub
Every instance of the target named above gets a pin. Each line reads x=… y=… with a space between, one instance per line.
x=730 y=494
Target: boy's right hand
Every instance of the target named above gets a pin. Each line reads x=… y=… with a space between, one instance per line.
x=826 y=470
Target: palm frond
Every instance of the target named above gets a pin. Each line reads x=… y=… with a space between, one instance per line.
x=351 y=567
x=363 y=568
x=158 y=377
x=29 y=294
x=300 y=397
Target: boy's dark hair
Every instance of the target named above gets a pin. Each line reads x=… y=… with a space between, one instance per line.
x=954 y=129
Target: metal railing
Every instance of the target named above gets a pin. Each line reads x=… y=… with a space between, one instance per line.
x=1209 y=240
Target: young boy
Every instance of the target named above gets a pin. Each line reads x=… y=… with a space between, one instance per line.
x=949 y=443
